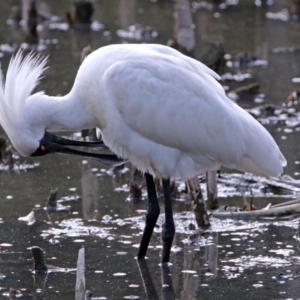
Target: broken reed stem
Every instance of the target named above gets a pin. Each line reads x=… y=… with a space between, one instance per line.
x=39 y=260
x=51 y=201
x=199 y=205
x=80 y=277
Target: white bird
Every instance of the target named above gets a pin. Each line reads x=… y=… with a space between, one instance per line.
x=164 y=112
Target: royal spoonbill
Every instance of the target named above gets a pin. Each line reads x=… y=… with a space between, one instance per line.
x=164 y=112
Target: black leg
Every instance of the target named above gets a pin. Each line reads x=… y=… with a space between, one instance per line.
x=151 y=216
x=168 y=229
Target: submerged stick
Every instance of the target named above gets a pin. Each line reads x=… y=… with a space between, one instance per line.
x=184 y=36
x=212 y=189
x=51 y=201
x=80 y=277
x=30 y=18
x=251 y=88
x=39 y=260
x=88 y=295
x=296 y=201
x=199 y=205
x=81 y=14
x=90 y=195
x=278 y=211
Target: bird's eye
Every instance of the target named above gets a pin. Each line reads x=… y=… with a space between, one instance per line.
x=43 y=147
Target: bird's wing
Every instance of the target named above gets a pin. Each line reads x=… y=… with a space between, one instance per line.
x=167 y=103
x=175 y=104
x=188 y=62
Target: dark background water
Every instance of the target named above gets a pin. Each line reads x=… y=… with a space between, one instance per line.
x=234 y=261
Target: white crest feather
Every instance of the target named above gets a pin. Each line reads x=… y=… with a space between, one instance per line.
x=22 y=77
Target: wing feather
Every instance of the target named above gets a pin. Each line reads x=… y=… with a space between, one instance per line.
x=178 y=107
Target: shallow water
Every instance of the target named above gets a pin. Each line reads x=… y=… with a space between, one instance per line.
x=242 y=259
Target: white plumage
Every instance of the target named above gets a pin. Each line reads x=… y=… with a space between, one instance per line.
x=162 y=110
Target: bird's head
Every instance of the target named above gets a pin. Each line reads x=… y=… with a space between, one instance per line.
x=23 y=129
x=22 y=115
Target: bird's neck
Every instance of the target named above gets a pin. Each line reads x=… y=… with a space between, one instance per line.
x=66 y=113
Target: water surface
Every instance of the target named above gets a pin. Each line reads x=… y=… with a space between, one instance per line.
x=236 y=259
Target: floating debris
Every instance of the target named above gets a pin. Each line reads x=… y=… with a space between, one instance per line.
x=244 y=60
x=59 y=26
x=8 y=48
x=29 y=219
x=13 y=293
x=273 y=114
x=261 y=3
x=189 y=271
x=235 y=77
x=68 y=198
x=117 y=171
x=282 y=15
x=78 y=241
x=221 y=5
x=248 y=261
x=6 y=245
x=259 y=186
x=284 y=252
x=20 y=167
x=64 y=26
x=244 y=91
x=285 y=50
x=119 y=274
x=75 y=228
x=138 y=32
